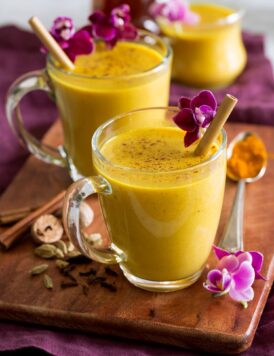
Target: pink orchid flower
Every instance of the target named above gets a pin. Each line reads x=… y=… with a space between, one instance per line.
x=114 y=27
x=73 y=43
x=174 y=10
x=235 y=274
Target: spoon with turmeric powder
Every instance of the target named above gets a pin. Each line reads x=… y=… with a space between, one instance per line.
x=246 y=163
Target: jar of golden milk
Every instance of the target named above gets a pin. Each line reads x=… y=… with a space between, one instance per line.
x=209 y=53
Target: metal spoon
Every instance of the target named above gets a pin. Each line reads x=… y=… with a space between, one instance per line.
x=232 y=239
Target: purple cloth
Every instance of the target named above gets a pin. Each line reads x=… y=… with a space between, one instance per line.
x=19 y=53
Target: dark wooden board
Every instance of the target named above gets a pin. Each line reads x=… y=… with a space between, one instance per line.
x=189 y=318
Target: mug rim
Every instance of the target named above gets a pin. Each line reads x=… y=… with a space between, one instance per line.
x=173 y=109
x=164 y=61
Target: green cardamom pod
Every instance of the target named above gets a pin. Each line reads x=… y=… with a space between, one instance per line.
x=45 y=251
x=59 y=253
x=48 y=282
x=61 y=264
x=62 y=246
x=38 y=269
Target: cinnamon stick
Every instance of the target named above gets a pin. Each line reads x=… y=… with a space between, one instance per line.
x=50 y=43
x=10 y=235
x=224 y=110
x=10 y=216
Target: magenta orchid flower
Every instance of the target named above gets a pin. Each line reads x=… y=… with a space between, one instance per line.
x=195 y=114
x=218 y=282
x=113 y=28
x=235 y=274
x=110 y=29
x=73 y=43
x=174 y=10
x=62 y=28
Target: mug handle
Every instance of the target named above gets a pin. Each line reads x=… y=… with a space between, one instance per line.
x=75 y=194
x=36 y=80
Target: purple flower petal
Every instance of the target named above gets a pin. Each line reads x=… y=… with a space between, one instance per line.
x=80 y=43
x=211 y=288
x=218 y=281
x=129 y=32
x=185 y=120
x=214 y=276
x=244 y=256
x=156 y=9
x=101 y=26
x=219 y=252
x=184 y=103
x=97 y=16
x=62 y=28
x=238 y=253
x=114 y=27
x=174 y=10
x=205 y=97
x=191 y=137
x=257 y=260
x=230 y=263
x=208 y=114
x=245 y=295
x=191 y=117
x=120 y=15
x=244 y=276
x=191 y=18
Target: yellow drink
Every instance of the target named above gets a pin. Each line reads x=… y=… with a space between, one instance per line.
x=211 y=53
x=165 y=204
x=107 y=83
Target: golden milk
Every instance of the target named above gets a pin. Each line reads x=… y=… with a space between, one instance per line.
x=165 y=204
x=106 y=83
x=211 y=53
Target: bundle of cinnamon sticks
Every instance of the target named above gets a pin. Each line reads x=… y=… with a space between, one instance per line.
x=10 y=235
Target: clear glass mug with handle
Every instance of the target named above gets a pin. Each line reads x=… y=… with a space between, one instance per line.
x=85 y=102
x=161 y=224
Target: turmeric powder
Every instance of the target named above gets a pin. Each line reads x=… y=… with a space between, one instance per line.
x=248 y=157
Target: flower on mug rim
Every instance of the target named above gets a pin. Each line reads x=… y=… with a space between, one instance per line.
x=72 y=42
x=110 y=28
x=63 y=28
x=114 y=27
x=195 y=115
x=235 y=274
x=174 y=11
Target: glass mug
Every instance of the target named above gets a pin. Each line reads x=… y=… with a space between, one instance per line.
x=208 y=55
x=85 y=102
x=161 y=224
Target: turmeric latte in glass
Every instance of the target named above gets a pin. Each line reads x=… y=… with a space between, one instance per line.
x=206 y=40
x=117 y=69
x=105 y=83
x=161 y=203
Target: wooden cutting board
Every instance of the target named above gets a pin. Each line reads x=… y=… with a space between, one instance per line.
x=189 y=318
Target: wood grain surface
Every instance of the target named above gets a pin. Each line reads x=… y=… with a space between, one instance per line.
x=189 y=318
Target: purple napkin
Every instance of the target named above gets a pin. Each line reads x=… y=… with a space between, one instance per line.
x=19 y=53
